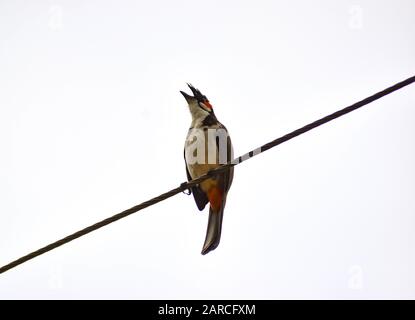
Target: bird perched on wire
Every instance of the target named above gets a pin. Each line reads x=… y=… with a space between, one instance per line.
x=207 y=146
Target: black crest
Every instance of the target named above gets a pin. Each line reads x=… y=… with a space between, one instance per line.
x=197 y=94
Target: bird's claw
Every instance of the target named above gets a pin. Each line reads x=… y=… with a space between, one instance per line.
x=187 y=191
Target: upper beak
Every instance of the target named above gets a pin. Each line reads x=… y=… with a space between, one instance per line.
x=186 y=96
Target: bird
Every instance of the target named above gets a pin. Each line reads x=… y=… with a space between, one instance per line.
x=207 y=146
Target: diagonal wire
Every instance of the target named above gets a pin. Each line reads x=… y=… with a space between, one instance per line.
x=187 y=185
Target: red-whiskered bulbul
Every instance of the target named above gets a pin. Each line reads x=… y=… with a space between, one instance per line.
x=207 y=146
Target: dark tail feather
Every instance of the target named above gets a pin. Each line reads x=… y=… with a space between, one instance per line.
x=214 y=229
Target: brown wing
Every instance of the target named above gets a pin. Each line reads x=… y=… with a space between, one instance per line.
x=227 y=177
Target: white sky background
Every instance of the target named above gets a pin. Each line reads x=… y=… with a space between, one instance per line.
x=92 y=123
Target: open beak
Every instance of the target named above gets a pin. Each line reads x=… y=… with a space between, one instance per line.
x=186 y=96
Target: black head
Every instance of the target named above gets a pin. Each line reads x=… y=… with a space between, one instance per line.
x=199 y=98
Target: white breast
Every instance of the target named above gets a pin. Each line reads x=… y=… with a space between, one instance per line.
x=201 y=152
